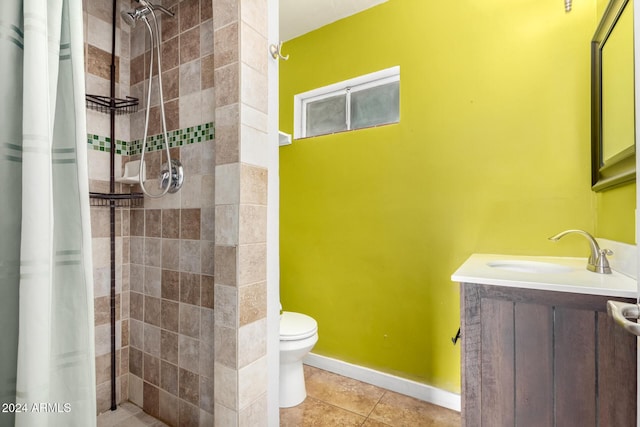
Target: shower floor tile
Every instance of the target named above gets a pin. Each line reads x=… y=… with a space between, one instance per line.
x=128 y=415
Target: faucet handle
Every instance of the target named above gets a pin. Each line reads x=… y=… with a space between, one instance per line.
x=602 y=263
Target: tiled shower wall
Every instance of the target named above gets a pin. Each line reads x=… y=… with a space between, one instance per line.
x=97 y=35
x=164 y=250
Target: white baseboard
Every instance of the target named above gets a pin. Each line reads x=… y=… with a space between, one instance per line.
x=415 y=389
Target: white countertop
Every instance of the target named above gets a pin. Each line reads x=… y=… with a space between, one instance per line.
x=577 y=280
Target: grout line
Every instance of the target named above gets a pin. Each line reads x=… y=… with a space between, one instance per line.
x=384 y=392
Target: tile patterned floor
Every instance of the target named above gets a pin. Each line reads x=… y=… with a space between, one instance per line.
x=128 y=415
x=334 y=400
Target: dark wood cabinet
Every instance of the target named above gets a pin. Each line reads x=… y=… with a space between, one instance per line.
x=543 y=358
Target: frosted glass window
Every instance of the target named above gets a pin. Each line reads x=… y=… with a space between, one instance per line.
x=326 y=115
x=365 y=101
x=375 y=106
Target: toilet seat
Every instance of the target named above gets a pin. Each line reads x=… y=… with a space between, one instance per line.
x=296 y=326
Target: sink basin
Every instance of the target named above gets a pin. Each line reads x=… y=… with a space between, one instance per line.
x=523 y=266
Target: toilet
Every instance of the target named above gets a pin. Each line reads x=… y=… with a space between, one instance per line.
x=298 y=335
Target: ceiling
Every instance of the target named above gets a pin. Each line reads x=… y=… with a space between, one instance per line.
x=298 y=17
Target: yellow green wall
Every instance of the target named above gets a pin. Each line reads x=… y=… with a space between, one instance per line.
x=615 y=214
x=491 y=155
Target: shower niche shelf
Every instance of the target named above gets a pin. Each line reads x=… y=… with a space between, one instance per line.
x=129 y=200
x=106 y=104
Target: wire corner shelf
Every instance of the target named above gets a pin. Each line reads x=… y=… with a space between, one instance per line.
x=127 y=200
x=107 y=104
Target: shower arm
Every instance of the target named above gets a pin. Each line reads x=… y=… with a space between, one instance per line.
x=156 y=7
x=162 y=113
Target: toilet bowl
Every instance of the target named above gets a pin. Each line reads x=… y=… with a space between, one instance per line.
x=298 y=335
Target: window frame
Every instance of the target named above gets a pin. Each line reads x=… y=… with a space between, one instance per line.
x=346 y=87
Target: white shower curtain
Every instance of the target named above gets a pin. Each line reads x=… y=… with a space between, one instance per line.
x=47 y=364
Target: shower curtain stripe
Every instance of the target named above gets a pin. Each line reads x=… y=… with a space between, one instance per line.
x=46 y=291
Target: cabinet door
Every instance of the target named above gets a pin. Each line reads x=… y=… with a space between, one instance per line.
x=539 y=358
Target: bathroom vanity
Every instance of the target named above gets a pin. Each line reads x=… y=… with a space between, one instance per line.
x=538 y=347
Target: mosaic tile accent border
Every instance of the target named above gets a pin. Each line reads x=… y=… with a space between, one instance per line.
x=177 y=138
x=103 y=143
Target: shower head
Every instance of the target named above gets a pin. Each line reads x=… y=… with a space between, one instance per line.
x=133 y=16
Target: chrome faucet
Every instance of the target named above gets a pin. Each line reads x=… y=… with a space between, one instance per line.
x=598 y=262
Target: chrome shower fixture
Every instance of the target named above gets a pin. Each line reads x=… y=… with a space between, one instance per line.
x=172 y=174
x=133 y=16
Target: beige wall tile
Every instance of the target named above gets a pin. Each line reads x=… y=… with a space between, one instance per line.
x=226 y=346
x=253 y=181
x=207 y=195
x=225 y=268
x=226 y=80
x=191 y=158
x=101 y=281
x=170 y=254
x=188 y=353
x=227 y=180
x=103 y=339
x=254 y=13
x=98 y=169
x=190 y=78
x=101 y=250
x=136 y=333
x=206 y=36
x=168 y=408
x=252 y=382
x=252 y=342
x=254 y=118
x=190 y=322
x=207 y=363
x=226 y=389
x=207 y=253
x=226 y=311
x=153 y=252
x=254 y=149
x=227 y=121
x=189 y=414
x=253 y=303
x=253 y=88
x=135 y=390
x=151 y=339
x=190 y=256
x=254 y=44
x=226 y=225
x=254 y=415
x=226 y=47
x=153 y=281
x=170 y=316
x=252 y=263
x=190 y=109
x=253 y=224
x=225 y=12
x=103 y=397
